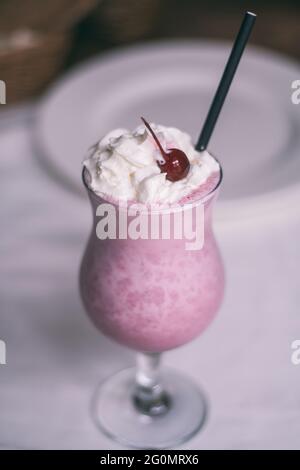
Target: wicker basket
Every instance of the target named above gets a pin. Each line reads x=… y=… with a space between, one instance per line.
x=126 y=20
x=28 y=68
x=50 y=15
x=26 y=71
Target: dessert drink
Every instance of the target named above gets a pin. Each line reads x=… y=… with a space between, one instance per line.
x=150 y=295
x=149 y=291
x=154 y=293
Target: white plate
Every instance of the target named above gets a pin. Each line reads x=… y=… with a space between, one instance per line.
x=257 y=138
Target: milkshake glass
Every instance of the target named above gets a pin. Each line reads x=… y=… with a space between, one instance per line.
x=152 y=296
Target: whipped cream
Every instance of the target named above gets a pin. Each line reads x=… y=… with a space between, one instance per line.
x=123 y=166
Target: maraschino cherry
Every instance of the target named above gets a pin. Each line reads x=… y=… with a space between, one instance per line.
x=176 y=164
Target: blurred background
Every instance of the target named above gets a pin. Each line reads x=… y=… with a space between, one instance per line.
x=73 y=70
x=40 y=40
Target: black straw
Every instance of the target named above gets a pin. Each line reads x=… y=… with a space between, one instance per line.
x=227 y=77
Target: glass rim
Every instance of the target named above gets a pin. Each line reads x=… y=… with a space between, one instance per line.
x=103 y=197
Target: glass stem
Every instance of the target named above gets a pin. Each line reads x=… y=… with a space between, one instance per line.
x=149 y=396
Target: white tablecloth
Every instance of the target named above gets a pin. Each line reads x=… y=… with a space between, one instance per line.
x=55 y=357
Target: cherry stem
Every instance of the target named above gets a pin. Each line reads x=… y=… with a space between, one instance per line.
x=164 y=154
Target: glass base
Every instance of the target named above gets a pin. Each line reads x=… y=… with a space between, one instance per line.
x=116 y=415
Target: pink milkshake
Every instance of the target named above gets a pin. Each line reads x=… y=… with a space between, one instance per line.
x=146 y=290
x=154 y=295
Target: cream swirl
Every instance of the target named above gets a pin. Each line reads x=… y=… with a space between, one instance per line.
x=123 y=166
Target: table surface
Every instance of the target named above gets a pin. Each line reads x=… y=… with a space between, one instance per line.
x=55 y=357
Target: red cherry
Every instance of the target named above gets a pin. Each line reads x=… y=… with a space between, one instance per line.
x=176 y=163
